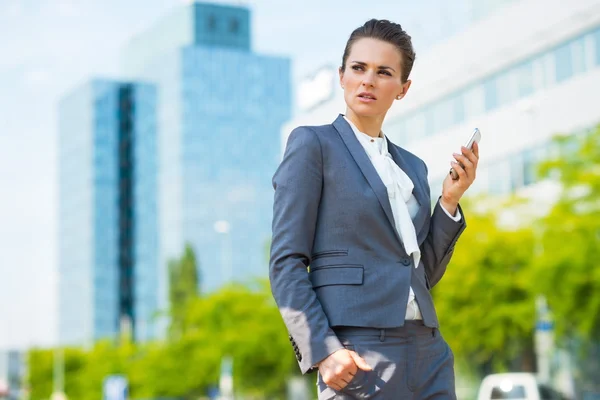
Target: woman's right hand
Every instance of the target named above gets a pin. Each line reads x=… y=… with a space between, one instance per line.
x=339 y=368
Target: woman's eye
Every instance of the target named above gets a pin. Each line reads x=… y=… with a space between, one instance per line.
x=357 y=67
x=385 y=72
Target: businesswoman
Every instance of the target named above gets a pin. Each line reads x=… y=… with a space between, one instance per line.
x=356 y=248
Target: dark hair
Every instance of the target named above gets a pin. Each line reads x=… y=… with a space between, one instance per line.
x=389 y=32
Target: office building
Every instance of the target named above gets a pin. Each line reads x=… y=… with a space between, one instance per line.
x=220 y=110
x=146 y=169
x=107 y=212
x=518 y=77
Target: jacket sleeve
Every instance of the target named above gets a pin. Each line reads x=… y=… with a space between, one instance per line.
x=438 y=247
x=298 y=182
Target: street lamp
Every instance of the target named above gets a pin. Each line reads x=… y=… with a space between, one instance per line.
x=223 y=227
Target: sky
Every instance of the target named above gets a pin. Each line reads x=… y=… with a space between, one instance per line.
x=49 y=47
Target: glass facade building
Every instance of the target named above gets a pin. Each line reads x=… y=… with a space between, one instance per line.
x=220 y=112
x=107 y=211
x=186 y=158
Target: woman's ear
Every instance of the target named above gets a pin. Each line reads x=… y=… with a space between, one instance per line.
x=341 y=74
x=405 y=87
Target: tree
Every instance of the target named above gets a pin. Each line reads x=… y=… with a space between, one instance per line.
x=485 y=302
x=183 y=286
x=245 y=324
x=39 y=373
x=568 y=271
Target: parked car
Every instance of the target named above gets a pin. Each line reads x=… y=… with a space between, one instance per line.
x=516 y=386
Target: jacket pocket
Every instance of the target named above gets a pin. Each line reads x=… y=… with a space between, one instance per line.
x=329 y=253
x=337 y=275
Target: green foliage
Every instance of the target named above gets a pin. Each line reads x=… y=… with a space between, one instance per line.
x=246 y=325
x=485 y=300
x=486 y=303
x=183 y=287
x=567 y=272
x=41 y=363
x=236 y=321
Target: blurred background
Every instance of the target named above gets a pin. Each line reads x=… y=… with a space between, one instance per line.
x=137 y=145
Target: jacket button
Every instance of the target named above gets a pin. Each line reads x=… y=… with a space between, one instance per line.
x=405 y=261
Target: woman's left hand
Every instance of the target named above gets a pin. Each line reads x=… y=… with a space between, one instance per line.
x=453 y=190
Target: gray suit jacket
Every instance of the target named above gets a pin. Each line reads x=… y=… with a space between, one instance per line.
x=336 y=257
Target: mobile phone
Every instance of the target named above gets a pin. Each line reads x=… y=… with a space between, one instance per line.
x=475 y=137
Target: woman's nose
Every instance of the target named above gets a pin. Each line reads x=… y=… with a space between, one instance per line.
x=368 y=79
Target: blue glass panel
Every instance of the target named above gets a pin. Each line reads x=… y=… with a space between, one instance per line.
x=596 y=36
x=563 y=62
x=491 y=93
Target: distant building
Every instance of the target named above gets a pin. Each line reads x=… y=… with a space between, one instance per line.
x=145 y=169
x=107 y=211
x=12 y=373
x=518 y=77
x=220 y=111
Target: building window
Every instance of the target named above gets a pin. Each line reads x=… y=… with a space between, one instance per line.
x=212 y=23
x=443 y=114
x=563 y=62
x=499 y=182
x=491 y=94
x=597 y=45
x=474 y=101
x=524 y=79
x=397 y=132
x=429 y=113
x=415 y=126
x=505 y=88
x=458 y=108
x=516 y=172
x=578 y=56
x=531 y=160
x=234 y=26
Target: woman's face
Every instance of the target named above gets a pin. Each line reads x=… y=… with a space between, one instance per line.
x=372 y=78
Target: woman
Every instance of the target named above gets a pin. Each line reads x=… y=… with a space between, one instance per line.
x=355 y=246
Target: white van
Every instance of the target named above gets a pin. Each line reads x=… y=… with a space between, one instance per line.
x=516 y=386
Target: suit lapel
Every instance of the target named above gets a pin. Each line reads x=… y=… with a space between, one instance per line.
x=366 y=166
x=418 y=189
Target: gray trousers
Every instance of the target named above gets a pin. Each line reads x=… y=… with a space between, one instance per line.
x=412 y=362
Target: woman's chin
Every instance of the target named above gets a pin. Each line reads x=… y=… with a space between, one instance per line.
x=363 y=110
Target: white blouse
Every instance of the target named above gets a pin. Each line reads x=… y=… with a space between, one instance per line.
x=404 y=204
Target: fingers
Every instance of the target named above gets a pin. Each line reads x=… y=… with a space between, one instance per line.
x=346 y=379
x=338 y=382
x=360 y=362
x=465 y=162
x=476 y=150
x=338 y=371
x=468 y=162
x=462 y=175
x=470 y=154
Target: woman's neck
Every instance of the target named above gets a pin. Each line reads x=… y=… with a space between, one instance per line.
x=369 y=125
